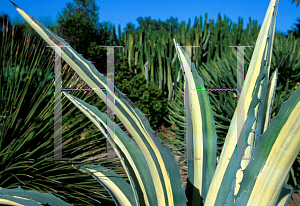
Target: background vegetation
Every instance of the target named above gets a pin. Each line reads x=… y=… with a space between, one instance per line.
x=79 y=25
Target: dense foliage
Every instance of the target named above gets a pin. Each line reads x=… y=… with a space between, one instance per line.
x=79 y=25
x=146 y=96
x=27 y=126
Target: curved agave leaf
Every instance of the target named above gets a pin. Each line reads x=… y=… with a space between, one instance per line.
x=117 y=187
x=276 y=151
x=225 y=174
x=19 y=196
x=163 y=166
x=136 y=162
x=201 y=136
x=222 y=186
x=29 y=120
x=265 y=104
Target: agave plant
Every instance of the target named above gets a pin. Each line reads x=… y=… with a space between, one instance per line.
x=221 y=73
x=151 y=166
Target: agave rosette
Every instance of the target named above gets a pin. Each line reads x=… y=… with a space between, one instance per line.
x=151 y=166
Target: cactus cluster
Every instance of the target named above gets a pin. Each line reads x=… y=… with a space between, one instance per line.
x=155 y=50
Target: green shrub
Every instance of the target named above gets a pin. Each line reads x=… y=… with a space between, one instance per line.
x=151 y=100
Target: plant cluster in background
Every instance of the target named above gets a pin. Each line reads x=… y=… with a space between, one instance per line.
x=147 y=97
x=205 y=183
x=79 y=26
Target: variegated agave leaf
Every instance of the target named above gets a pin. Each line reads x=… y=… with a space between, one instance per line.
x=276 y=148
x=272 y=142
x=168 y=187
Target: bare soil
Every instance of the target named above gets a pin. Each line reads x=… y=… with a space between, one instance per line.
x=294 y=201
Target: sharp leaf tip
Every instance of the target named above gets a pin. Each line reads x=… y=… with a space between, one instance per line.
x=14 y=4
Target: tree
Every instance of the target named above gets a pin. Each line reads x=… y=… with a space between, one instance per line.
x=157 y=25
x=130 y=27
x=170 y=24
x=174 y=23
x=79 y=26
x=145 y=23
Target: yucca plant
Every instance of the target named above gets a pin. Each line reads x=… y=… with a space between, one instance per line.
x=27 y=127
x=151 y=166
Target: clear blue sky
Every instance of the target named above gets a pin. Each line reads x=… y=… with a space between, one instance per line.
x=125 y=11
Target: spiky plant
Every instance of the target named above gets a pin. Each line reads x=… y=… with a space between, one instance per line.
x=27 y=126
x=221 y=73
x=151 y=166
